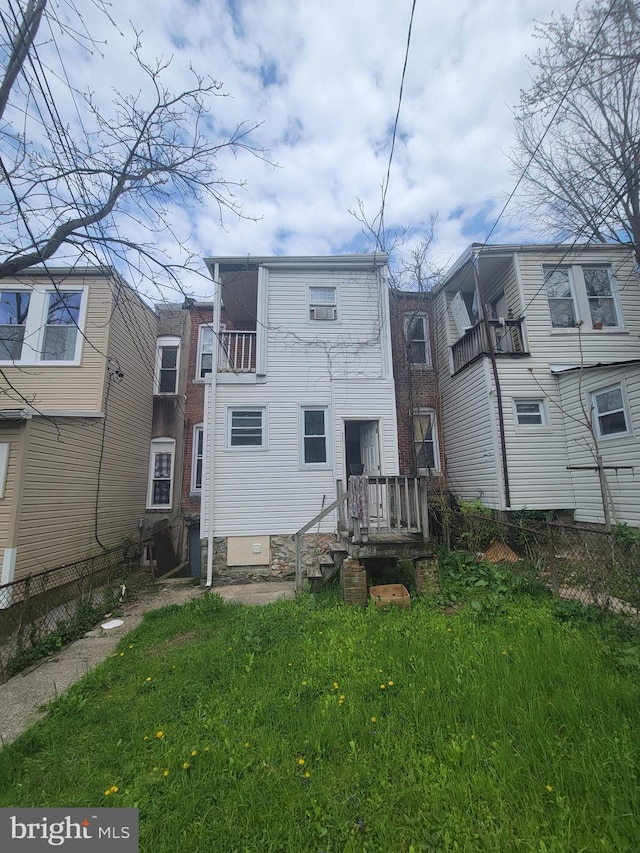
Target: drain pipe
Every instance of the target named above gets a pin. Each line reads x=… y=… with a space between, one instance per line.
x=496 y=379
x=208 y=439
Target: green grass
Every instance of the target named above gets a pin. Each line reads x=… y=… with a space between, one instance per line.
x=511 y=724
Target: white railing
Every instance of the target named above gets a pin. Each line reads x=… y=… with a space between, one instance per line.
x=237 y=352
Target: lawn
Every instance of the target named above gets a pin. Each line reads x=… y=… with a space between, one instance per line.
x=508 y=723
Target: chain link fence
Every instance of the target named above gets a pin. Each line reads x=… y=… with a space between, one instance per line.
x=576 y=561
x=46 y=610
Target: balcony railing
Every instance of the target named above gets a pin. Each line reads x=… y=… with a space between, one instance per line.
x=395 y=505
x=506 y=335
x=237 y=352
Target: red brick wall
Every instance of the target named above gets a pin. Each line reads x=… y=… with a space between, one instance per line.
x=416 y=385
x=193 y=408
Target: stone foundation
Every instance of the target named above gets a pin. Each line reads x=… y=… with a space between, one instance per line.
x=282 y=559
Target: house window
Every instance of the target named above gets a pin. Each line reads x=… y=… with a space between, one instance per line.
x=205 y=352
x=41 y=324
x=561 y=297
x=5 y=447
x=578 y=294
x=167 y=359
x=610 y=411
x=530 y=412
x=196 y=461
x=323 y=303
x=415 y=327
x=246 y=427
x=425 y=441
x=161 y=464
x=314 y=436
x=602 y=303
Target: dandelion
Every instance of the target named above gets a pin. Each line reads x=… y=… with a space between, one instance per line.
x=342 y=696
x=549 y=788
x=121 y=654
x=146 y=737
x=194 y=752
x=304 y=683
x=473 y=737
x=165 y=773
x=374 y=719
x=131 y=646
x=148 y=678
x=206 y=749
x=379 y=670
x=390 y=683
x=185 y=765
x=335 y=685
x=159 y=735
x=504 y=653
x=383 y=687
x=307 y=775
x=301 y=762
x=289 y=664
x=173 y=667
x=230 y=649
x=247 y=744
x=114 y=789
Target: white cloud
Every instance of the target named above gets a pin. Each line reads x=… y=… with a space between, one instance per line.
x=324 y=80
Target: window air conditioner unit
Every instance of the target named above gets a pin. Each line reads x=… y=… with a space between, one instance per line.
x=323 y=312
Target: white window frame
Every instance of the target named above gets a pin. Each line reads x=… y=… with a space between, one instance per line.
x=166 y=341
x=36 y=324
x=553 y=268
x=581 y=304
x=195 y=488
x=326 y=436
x=423 y=412
x=246 y=447
x=408 y=320
x=5 y=449
x=542 y=409
x=618 y=386
x=202 y=330
x=161 y=445
x=312 y=304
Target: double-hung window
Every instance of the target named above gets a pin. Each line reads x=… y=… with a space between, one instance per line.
x=323 y=303
x=161 y=467
x=425 y=440
x=417 y=340
x=42 y=324
x=197 y=458
x=167 y=364
x=530 y=412
x=205 y=352
x=581 y=294
x=610 y=411
x=246 y=427
x=314 y=436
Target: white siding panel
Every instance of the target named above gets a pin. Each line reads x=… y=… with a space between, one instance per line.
x=615 y=451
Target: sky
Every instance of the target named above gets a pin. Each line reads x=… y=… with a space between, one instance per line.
x=321 y=81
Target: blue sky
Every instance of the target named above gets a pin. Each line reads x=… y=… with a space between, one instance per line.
x=322 y=80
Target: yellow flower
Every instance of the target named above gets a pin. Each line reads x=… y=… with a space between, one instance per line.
x=374 y=719
x=383 y=687
x=473 y=737
x=247 y=745
x=160 y=735
x=390 y=683
x=206 y=749
x=335 y=685
x=165 y=773
x=289 y=664
x=301 y=762
x=342 y=695
x=185 y=765
x=121 y=654
x=148 y=678
x=194 y=752
x=107 y=792
x=307 y=775
x=504 y=653
x=131 y=646
x=114 y=789
x=146 y=737
x=304 y=683
x=549 y=788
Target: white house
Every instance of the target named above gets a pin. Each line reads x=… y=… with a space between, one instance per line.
x=300 y=388
x=553 y=421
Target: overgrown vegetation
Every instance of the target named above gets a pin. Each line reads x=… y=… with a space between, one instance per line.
x=307 y=725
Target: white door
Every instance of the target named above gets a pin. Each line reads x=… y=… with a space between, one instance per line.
x=370 y=455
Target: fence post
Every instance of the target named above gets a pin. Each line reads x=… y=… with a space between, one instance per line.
x=553 y=565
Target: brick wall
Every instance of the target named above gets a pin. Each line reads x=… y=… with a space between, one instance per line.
x=416 y=385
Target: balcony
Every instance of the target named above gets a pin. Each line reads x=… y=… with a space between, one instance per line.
x=237 y=352
x=506 y=335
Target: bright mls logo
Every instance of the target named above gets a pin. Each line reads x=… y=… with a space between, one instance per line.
x=85 y=830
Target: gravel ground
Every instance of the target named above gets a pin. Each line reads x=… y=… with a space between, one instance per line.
x=24 y=697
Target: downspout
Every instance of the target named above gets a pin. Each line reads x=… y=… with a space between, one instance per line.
x=210 y=409
x=496 y=379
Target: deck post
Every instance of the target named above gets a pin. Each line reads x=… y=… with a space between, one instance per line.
x=423 y=495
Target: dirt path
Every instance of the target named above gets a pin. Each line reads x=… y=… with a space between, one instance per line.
x=22 y=697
